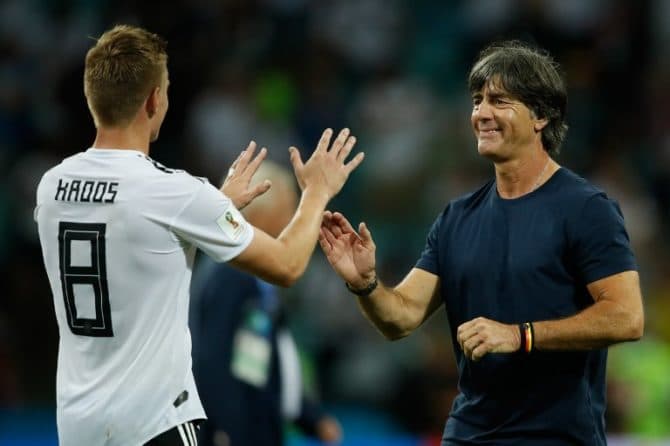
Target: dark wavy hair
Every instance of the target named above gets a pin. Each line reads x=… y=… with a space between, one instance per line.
x=530 y=75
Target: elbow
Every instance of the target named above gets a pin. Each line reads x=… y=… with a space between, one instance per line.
x=630 y=328
x=286 y=281
x=394 y=335
x=289 y=275
x=394 y=331
x=636 y=328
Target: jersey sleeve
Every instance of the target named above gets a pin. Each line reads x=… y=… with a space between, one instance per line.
x=212 y=223
x=429 y=259
x=600 y=241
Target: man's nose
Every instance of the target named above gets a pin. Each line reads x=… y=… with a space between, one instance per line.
x=483 y=110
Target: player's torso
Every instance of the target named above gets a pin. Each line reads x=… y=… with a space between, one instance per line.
x=120 y=279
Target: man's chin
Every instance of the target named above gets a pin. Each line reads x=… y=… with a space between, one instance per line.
x=154 y=136
x=489 y=151
x=486 y=149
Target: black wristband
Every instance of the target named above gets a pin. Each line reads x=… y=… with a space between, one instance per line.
x=363 y=292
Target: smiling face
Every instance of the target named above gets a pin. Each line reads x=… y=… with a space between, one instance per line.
x=504 y=126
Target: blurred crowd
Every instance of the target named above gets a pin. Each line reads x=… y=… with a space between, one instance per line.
x=279 y=72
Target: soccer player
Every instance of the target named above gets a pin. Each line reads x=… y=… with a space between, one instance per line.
x=119 y=232
x=534 y=269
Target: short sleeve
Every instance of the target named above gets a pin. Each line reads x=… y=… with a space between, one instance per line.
x=429 y=259
x=212 y=223
x=600 y=241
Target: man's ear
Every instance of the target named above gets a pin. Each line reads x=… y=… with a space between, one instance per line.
x=152 y=102
x=540 y=124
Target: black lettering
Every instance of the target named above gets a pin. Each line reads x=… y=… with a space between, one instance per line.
x=86 y=191
x=74 y=189
x=112 y=190
x=99 y=192
x=62 y=189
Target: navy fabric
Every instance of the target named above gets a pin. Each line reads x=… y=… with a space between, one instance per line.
x=527 y=259
x=221 y=298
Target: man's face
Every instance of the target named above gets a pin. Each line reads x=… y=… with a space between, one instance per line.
x=162 y=108
x=503 y=125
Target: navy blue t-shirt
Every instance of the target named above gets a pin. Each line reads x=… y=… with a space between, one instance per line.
x=527 y=259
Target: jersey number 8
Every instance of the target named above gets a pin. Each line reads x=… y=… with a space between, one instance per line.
x=83 y=275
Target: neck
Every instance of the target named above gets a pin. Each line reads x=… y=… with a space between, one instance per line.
x=518 y=177
x=126 y=138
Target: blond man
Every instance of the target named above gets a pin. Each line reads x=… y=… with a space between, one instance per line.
x=119 y=234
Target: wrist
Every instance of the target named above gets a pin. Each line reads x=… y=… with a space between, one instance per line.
x=364 y=289
x=316 y=193
x=527 y=337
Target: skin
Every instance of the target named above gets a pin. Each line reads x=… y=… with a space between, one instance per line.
x=509 y=134
x=281 y=260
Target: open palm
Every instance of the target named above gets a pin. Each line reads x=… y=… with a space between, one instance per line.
x=351 y=254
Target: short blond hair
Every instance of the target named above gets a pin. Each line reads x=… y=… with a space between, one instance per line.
x=122 y=69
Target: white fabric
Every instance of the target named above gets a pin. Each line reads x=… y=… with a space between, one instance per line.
x=120 y=389
x=289 y=373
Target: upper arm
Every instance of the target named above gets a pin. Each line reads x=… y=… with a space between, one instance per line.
x=420 y=290
x=622 y=290
x=262 y=258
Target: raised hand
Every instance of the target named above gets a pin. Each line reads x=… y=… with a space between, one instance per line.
x=326 y=170
x=236 y=184
x=351 y=254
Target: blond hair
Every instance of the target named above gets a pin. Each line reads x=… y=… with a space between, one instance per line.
x=121 y=70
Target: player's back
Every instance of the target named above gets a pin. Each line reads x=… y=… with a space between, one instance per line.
x=119 y=276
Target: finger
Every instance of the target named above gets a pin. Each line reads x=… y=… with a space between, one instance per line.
x=330 y=236
x=343 y=223
x=464 y=334
x=296 y=160
x=256 y=162
x=322 y=146
x=327 y=215
x=336 y=230
x=365 y=234
x=472 y=343
x=246 y=156
x=260 y=189
x=480 y=351
x=354 y=163
x=323 y=242
x=235 y=163
x=339 y=141
x=346 y=149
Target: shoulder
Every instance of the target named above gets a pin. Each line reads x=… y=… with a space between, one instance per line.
x=461 y=206
x=574 y=187
x=469 y=201
x=169 y=173
x=161 y=175
x=63 y=165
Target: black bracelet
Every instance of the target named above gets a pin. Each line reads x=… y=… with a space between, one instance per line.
x=363 y=292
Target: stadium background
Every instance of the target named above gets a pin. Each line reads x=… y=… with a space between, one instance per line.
x=278 y=72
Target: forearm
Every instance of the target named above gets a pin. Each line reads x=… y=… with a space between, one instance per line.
x=299 y=237
x=598 y=326
x=389 y=311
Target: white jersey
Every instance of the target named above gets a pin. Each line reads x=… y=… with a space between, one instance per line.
x=119 y=234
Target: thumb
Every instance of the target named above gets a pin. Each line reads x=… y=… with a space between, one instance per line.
x=261 y=188
x=294 y=156
x=366 y=236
